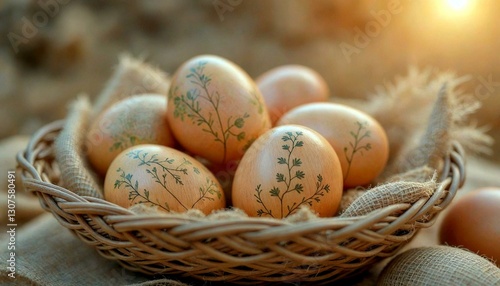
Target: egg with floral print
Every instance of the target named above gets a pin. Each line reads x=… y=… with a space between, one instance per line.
x=162 y=178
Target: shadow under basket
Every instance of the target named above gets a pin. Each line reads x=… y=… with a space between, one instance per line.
x=241 y=250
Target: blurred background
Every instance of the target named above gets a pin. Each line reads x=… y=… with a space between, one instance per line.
x=52 y=50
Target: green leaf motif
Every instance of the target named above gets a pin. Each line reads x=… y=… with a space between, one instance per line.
x=355 y=145
x=296 y=162
x=134 y=194
x=128 y=177
x=299 y=188
x=275 y=192
x=165 y=172
x=287 y=180
x=239 y=122
x=282 y=160
x=257 y=101
x=209 y=118
x=280 y=177
x=240 y=136
x=299 y=174
x=196 y=170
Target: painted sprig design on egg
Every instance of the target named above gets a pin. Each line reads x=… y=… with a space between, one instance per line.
x=188 y=106
x=165 y=172
x=127 y=138
x=355 y=145
x=290 y=181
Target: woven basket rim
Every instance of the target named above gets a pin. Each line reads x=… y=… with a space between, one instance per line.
x=118 y=233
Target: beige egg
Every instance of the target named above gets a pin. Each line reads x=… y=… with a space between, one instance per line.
x=289 y=86
x=215 y=109
x=287 y=168
x=473 y=221
x=139 y=119
x=359 y=140
x=164 y=178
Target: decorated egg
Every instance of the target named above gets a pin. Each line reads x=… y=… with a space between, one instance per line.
x=140 y=119
x=472 y=221
x=359 y=140
x=164 y=178
x=215 y=109
x=289 y=86
x=287 y=168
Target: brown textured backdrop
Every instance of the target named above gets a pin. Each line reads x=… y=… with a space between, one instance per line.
x=51 y=50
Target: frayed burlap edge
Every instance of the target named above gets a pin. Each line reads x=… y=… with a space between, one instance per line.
x=132 y=76
x=76 y=174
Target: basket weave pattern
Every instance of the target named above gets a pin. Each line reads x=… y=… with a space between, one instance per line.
x=242 y=250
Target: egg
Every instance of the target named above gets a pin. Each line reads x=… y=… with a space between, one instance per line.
x=287 y=168
x=358 y=139
x=289 y=86
x=215 y=109
x=164 y=178
x=138 y=119
x=473 y=221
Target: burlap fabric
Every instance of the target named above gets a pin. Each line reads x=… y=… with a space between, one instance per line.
x=61 y=260
x=389 y=194
x=439 y=266
x=76 y=173
x=131 y=77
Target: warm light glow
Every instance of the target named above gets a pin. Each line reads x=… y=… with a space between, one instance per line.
x=458 y=5
x=454 y=10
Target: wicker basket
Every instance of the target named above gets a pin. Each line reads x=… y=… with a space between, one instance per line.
x=246 y=250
